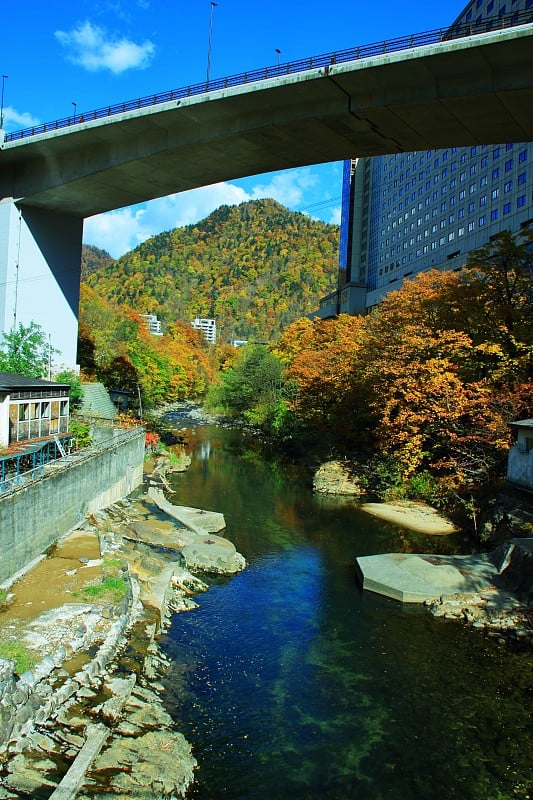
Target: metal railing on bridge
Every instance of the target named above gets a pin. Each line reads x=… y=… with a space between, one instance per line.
x=315 y=62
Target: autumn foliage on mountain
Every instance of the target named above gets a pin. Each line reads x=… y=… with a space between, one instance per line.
x=115 y=347
x=92 y=258
x=255 y=268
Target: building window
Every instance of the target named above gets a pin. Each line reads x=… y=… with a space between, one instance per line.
x=495 y=173
x=521 y=178
x=521 y=201
x=494 y=214
x=482 y=220
x=496 y=153
x=509 y=165
x=507 y=208
x=495 y=193
x=522 y=156
x=461 y=232
x=484 y=162
x=483 y=200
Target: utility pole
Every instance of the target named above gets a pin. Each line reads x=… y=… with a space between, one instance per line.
x=212 y=6
x=2 y=102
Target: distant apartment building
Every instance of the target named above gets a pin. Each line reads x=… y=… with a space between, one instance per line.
x=153 y=324
x=410 y=212
x=208 y=328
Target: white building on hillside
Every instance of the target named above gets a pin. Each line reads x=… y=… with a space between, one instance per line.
x=208 y=327
x=153 y=324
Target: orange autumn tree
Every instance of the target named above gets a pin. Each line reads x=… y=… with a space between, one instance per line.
x=427 y=415
x=322 y=365
x=449 y=364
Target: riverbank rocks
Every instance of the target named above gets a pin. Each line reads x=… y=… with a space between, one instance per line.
x=202 y=550
x=155 y=765
x=87 y=721
x=336 y=477
x=496 y=613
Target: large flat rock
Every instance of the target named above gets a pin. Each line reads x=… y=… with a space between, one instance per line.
x=411 y=514
x=417 y=578
x=213 y=554
x=195 y=519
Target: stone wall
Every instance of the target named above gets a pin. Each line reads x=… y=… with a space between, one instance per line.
x=35 y=516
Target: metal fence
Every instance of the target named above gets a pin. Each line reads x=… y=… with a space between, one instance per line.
x=25 y=479
x=289 y=68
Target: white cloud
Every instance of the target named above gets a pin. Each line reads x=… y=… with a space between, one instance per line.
x=122 y=230
x=92 y=48
x=336 y=213
x=288 y=188
x=14 y=120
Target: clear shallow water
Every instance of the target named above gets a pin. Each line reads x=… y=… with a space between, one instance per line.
x=292 y=683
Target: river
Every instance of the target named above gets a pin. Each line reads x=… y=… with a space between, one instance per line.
x=293 y=684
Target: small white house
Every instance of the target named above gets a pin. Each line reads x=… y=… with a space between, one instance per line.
x=31 y=408
x=520 y=461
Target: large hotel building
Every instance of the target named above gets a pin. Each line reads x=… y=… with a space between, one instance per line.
x=409 y=212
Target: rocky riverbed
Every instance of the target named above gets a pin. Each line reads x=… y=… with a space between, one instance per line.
x=82 y=718
x=502 y=609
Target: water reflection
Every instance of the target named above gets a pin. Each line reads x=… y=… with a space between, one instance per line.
x=292 y=683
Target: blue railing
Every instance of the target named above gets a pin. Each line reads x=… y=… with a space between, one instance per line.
x=253 y=76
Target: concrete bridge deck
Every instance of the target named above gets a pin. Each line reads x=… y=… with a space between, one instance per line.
x=475 y=90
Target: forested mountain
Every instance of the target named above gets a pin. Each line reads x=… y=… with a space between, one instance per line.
x=254 y=267
x=92 y=258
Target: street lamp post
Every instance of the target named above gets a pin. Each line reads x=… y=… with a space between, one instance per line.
x=75 y=107
x=212 y=6
x=278 y=53
x=2 y=102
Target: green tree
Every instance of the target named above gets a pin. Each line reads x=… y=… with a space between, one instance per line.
x=252 y=387
x=26 y=351
x=75 y=394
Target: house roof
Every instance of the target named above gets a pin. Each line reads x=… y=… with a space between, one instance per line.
x=96 y=401
x=10 y=382
x=522 y=423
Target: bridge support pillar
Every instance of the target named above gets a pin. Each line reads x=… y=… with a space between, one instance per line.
x=40 y=266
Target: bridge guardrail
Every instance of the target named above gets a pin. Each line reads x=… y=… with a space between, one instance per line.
x=253 y=76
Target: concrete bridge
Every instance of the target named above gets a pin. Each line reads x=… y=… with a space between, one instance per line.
x=461 y=91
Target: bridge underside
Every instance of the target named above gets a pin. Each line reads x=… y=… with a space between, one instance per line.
x=463 y=92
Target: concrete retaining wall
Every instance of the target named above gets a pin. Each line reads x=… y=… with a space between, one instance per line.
x=35 y=516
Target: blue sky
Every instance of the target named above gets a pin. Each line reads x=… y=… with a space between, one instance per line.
x=98 y=52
